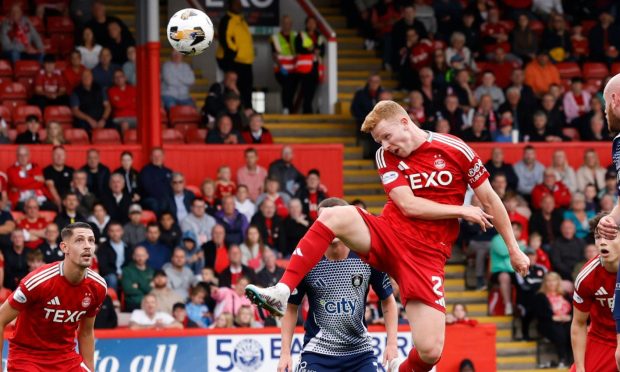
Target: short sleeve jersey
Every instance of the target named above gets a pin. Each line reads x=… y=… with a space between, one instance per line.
x=439 y=170
x=50 y=310
x=49 y=83
x=594 y=293
x=337 y=292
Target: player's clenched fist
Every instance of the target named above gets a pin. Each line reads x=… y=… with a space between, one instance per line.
x=608 y=228
x=520 y=262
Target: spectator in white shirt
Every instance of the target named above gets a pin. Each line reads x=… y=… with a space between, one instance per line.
x=149 y=318
x=177 y=79
x=243 y=203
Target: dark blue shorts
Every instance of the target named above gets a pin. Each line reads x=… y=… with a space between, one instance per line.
x=311 y=362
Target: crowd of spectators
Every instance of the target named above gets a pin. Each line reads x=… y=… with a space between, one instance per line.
x=172 y=254
x=518 y=71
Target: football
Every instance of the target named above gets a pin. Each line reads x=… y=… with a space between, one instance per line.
x=190 y=31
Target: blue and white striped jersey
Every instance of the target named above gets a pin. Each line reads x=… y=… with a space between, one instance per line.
x=337 y=292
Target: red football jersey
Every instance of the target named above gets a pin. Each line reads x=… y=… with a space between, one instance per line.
x=49 y=83
x=439 y=170
x=50 y=311
x=39 y=224
x=594 y=293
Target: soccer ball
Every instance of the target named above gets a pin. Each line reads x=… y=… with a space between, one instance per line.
x=190 y=31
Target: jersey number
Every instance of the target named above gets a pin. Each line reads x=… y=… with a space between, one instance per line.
x=437 y=285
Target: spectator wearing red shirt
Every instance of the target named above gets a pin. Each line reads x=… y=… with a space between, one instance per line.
x=33 y=224
x=49 y=85
x=257 y=133
x=224 y=185
x=501 y=68
x=494 y=33
x=551 y=186
x=416 y=54
x=73 y=72
x=312 y=195
x=579 y=43
x=26 y=181
x=122 y=97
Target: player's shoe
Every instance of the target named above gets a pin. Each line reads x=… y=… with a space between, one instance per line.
x=395 y=363
x=272 y=299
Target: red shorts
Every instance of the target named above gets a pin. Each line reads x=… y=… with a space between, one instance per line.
x=33 y=363
x=600 y=356
x=418 y=270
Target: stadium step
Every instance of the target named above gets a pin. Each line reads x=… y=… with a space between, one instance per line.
x=316 y=118
x=508 y=348
x=336 y=20
x=358 y=64
x=323 y=140
x=351 y=86
x=516 y=361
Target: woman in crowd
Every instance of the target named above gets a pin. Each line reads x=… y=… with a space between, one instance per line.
x=563 y=171
x=252 y=249
x=54 y=134
x=90 y=50
x=579 y=215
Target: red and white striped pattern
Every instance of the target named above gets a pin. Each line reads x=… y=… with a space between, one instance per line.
x=96 y=277
x=461 y=146
x=587 y=270
x=380 y=159
x=41 y=277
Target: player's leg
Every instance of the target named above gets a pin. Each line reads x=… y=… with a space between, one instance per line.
x=361 y=363
x=342 y=222
x=317 y=362
x=428 y=328
x=505 y=288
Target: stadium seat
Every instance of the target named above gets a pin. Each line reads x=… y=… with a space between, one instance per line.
x=195 y=136
x=184 y=114
x=63 y=43
x=106 y=137
x=130 y=136
x=571 y=133
x=184 y=127
x=6 y=70
x=20 y=113
x=195 y=189
x=26 y=68
x=593 y=85
x=48 y=215
x=537 y=26
x=615 y=68
x=76 y=136
x=6 y=113
x=172 y=136
x=48 y=46
x=164 y=116
x=13 y=93
x=37 y=24
x=21 y=128
x=148 y=217
x=568 y=70
x=61 y=114
x=587 y=25
x=595 y=70
x=17 y=215
x=59 y=25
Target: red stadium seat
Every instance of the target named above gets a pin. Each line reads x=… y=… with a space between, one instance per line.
x=21 y=128
x=568 y=70
x=22 y=112
x=6 y=113
x=61 y=114
x=49 y=47
x=184 y=114
x=59 y=25
x=593 y=85
x=106 y=137
x=184 y=127
x=76 y=136
x=37 y=23
x=195 y=189
x=130 y=136
x=587 y=26
x=13 y=94
x=6 y=70
x=615 y=69
x=195 y=135
x=26 y=68
x=172 y=136
x=48 y=215
x=571 y=133
x=148 y=217
x=17 y=215
x=164 y=116
x=595 y=70
x=537 y=26
x=63 y=43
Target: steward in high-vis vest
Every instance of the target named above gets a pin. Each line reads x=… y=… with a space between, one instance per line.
x=310 y=47
x=235 y=49
x=283 y=50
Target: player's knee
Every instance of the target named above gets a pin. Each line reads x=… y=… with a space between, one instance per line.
x=334 y=217
x=431 y=351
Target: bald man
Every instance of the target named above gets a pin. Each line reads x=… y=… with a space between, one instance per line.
x=608 y=225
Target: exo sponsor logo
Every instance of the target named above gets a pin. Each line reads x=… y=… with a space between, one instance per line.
x=63 y=316
x=433 y=179
x=476 y=168
x=343 y=306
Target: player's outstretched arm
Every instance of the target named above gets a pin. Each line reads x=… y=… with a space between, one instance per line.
x=289 y=320
x=493 y=204
x=416 y=207
x=390 y=316
x=7 y=315
x=578 y=334
x=86 y=341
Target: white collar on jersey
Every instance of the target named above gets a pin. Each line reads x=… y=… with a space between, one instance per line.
x=61 y=267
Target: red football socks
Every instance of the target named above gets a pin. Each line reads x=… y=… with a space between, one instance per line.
x=308 y=253
x=414 y=363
